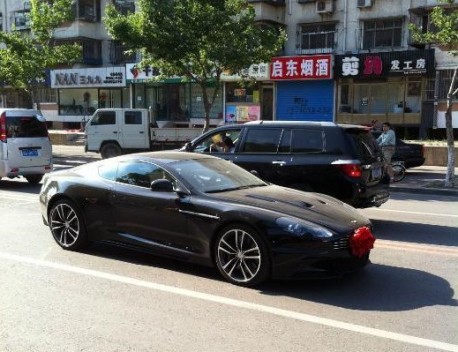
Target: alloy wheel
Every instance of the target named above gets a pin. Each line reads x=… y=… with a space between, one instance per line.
x=239 y=256
x=65 y=225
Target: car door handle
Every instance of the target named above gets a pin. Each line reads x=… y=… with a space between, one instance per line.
x=141 y=132
x=279 y=162
x=115 y=132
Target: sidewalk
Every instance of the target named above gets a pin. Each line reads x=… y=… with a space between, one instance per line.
x=426 y=180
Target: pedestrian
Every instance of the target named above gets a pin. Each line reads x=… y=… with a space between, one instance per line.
x=387 y=141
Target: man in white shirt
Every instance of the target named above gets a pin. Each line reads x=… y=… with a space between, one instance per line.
x=387 y=141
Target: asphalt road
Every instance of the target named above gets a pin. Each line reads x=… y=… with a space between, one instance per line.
x=109 y=299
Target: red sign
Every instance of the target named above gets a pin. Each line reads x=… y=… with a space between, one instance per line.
x=301 y=67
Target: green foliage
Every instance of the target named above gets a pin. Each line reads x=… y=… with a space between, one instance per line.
x=444 y=20
x=197 y=39
x=24 y=57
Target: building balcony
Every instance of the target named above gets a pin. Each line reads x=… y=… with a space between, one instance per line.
x=269 y=10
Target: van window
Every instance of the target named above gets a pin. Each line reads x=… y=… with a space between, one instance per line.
x=262 y=140
x=104 y=118
x=26 y=126
x=307 y=141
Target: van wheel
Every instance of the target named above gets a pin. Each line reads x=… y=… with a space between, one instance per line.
x=110 y=150
x=33 y=179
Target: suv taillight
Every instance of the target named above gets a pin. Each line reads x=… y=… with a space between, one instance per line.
x=351 y=170
x=3 y=127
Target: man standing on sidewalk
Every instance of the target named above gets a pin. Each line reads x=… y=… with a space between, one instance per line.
x=387 y=141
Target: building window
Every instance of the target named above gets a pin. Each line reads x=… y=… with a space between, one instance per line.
x=1 y=21
x=124 y=6
x=317 y=38
x=118 y=54
x=21 y=20
x=86 y=10
x=382 y=33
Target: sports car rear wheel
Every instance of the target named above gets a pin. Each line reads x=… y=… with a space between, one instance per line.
x=242 y=256
x=66 y=224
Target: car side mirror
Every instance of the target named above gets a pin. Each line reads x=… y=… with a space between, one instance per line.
x=162 y=185
x=188 y=147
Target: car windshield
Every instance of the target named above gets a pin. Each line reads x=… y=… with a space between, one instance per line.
x=214 y=175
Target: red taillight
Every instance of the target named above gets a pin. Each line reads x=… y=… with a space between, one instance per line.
x=3 y=127
x=351 y=170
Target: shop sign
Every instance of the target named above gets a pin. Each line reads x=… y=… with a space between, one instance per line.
x=242 y=113
x=256 y=71
x=412 y=62
x=135 y=73
x=301 y=67
x=88 y=77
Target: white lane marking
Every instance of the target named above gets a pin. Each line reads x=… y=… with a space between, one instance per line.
x=413 y=212
x=416 y=247
x=239 y=304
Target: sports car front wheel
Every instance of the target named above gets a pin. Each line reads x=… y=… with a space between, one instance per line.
x=241 y=256
x=66 y=224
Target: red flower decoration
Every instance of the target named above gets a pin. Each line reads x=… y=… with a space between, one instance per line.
x=361 y=242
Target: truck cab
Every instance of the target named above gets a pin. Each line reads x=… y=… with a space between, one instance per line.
x=112 y=131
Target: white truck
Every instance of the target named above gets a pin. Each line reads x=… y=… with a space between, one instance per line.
x=115 y=131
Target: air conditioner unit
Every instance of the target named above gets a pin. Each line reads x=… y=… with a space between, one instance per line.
x=364 y=3
x=324 y=6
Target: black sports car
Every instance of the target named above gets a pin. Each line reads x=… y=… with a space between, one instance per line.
x=207 y=210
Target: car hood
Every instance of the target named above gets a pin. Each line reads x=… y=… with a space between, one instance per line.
x=315 y=207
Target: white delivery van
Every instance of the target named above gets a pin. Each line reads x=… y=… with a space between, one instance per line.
x=25 y=147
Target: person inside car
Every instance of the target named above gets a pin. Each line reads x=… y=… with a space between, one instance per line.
x=228 y=145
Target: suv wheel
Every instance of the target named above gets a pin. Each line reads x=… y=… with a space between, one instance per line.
x=33 y=179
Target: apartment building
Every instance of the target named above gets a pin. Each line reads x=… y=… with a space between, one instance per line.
x=351 y=61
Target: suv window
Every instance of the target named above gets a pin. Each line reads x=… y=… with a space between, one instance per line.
x=364 y=143
x=307 y=141
x=262 y=140
x=26 y=126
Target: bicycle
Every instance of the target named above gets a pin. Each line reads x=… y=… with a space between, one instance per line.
x=399 y=170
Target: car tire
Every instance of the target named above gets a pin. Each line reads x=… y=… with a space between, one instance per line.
x=110 y=150
x=241 y=256
x=33 y=179
x=67 y=225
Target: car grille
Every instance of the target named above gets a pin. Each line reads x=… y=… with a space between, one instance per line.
x=341 y=243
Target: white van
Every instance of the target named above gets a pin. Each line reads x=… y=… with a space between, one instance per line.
x=25 y=147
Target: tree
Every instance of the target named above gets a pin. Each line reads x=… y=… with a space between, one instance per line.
x=24 y=58
x=196 y=39
x=444 y=20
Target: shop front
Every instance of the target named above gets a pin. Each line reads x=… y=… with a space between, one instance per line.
x=173 y=102
x=248 y=96
x=81 y=91
x=304 y=87
x=386 y=86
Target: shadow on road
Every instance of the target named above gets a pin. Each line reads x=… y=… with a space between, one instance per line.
x=415 y=232
x=19 y=185
x=375 y=288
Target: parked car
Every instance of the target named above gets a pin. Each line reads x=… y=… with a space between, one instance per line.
x=25 y=147
x=342 y=161
x=203 y=209
x=412 y=154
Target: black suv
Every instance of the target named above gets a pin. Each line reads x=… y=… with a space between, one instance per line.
x=339 y=160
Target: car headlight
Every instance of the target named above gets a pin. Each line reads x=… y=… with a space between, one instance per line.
x=303 y=228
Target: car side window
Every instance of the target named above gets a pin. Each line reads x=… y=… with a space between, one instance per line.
x=108 y=171
x=213 y=142
x=307 y=141
x=140 y=173
x=104 y=118
x=262 y=140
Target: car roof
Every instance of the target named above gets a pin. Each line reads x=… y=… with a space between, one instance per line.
x=167 y=156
